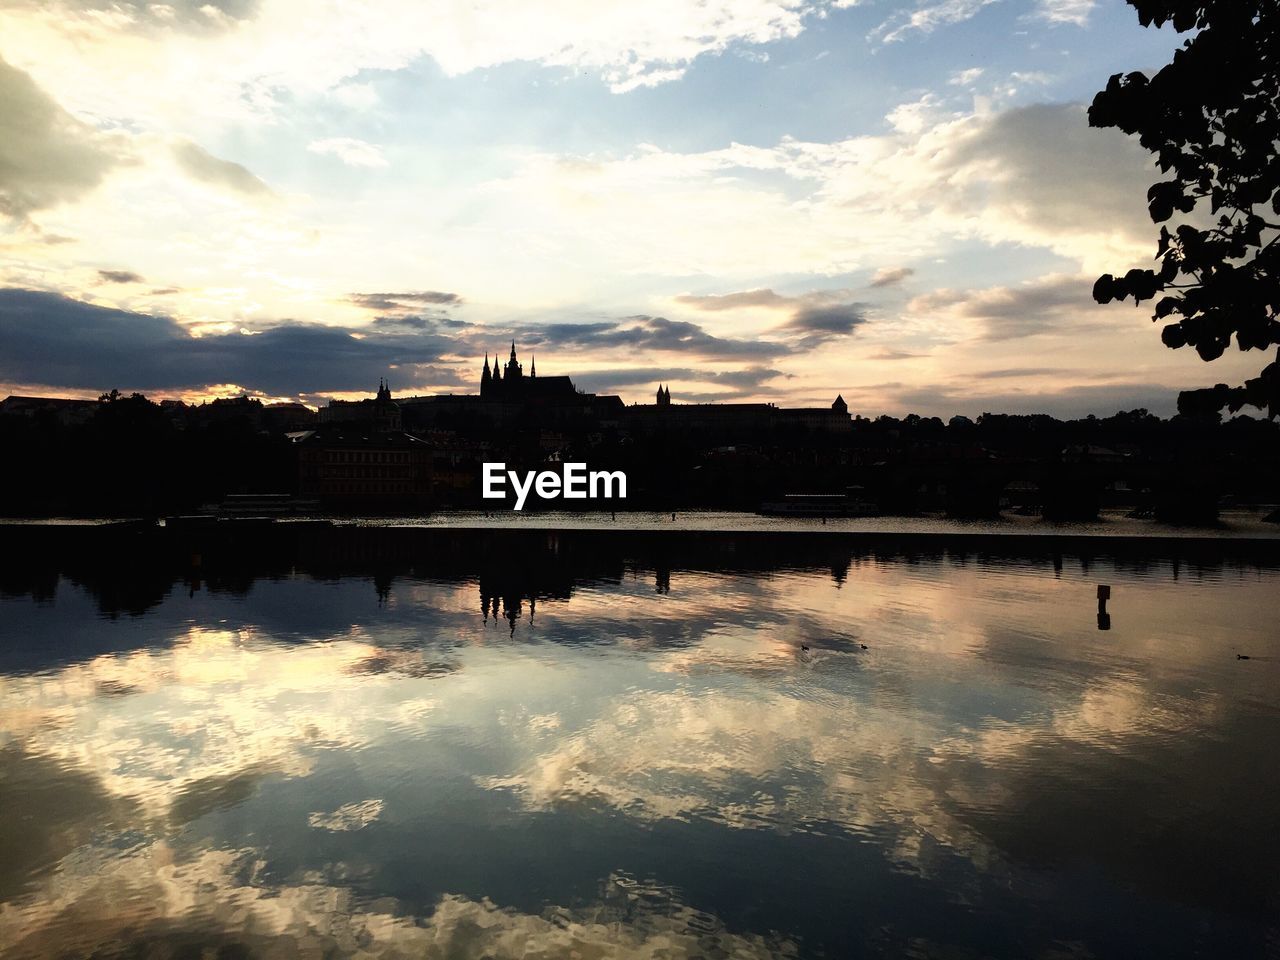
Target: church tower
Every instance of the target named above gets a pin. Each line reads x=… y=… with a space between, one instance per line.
x=664 y=397
x=486 y=378
x=840 y=406
x=513 y=366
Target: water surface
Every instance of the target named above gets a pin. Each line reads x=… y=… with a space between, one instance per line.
x=549 y=748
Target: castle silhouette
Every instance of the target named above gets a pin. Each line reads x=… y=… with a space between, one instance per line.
x=509 y=382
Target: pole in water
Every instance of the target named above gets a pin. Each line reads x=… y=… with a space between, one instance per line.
x=1104 y=618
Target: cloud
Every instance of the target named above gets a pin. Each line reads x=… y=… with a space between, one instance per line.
x=917 y=116
x=1041 y=167
x=1053 y=304
x=252 y=56
x=817 y=316
x=888 y=276
x=59 y=342
x=54 y=340
x=1017 y=373
x=963 y=78
x=650 y=333
x=152 y=18
x=405 y=301
x=47 y=157
x=927 y=18
x=896 y=355
x=824 y=322
x=736 y=301
x=1036 y=176
x=205 y=167
x=737 y=383
x=404 y=322
x=352 y=152
x=1066 y=11
x=120 y=276
x=49 y=339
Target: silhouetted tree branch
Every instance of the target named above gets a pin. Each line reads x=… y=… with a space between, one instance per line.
x=1212 y=117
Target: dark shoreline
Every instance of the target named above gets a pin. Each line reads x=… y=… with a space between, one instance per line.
x=247 y=539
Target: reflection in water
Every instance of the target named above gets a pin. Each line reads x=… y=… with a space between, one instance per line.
x=733 y=748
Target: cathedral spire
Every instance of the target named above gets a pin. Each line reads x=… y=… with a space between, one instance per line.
x=513 y=351
x=533 y=365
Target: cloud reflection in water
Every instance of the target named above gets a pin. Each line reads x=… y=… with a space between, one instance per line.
x=359 y=788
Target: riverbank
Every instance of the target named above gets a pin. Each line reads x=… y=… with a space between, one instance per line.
x=1233 y=524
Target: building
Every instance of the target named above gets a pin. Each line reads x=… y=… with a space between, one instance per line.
x=736 y=421
x=509 y=398
x=543 y=407
x=369 y=471
x=286 y=417
x=511 y=385
x=379 y=415
x=834 y=419
x=65 y=411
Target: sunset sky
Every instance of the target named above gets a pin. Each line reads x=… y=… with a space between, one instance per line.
x=744 y=199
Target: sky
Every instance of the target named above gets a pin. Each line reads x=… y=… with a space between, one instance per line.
x=746 y=200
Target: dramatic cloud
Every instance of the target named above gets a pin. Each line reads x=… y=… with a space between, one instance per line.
x=403 y=322
x=823 y=322
x=650 y=333
x=49 y=339
x=544 y=198
x=53 y=340
x=47 y=157
x=248 y=53
x=1035 y=176
x=1044 y=170
x=816 y=317
x=204 y=166
x=354 y=153
x=1053 y=304
x=120 y=276
x=888 y=276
